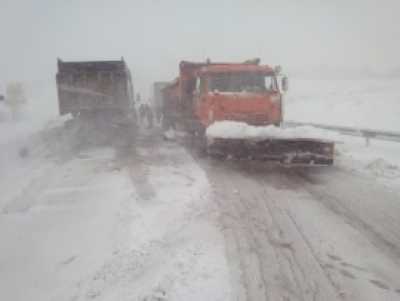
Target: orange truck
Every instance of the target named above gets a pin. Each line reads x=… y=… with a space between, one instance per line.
x=205 y=93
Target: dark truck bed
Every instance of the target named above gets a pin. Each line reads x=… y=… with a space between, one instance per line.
x=94 y=87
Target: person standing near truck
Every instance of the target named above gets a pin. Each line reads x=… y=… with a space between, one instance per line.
x=149 y=116
x=142 y=113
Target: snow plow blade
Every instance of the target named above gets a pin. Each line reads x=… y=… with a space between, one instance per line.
x=298 y=151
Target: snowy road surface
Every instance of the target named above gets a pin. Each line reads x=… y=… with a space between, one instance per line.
x=307 y=235
x=130 y=222
x=148 y=221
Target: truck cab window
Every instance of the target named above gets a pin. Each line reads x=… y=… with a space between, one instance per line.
x=270 y=83
x=242 y=82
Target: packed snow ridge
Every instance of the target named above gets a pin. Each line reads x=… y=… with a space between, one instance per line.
x=241 y=130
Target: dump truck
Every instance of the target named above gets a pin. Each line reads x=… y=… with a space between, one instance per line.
x=247 y=92
x=96 y=88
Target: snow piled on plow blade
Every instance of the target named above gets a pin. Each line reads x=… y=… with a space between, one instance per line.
x=241 y=130
x=292 y=146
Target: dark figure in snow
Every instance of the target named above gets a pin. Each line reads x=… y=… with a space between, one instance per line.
x=142 y=112
x=138 y=99
x=158 y=115
x=149 y=115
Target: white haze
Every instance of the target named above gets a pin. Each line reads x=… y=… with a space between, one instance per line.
x=308 y=38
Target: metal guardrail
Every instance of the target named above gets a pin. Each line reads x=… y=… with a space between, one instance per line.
x=360 y=132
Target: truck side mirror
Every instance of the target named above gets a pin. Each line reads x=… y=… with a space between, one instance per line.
x=285 y=84
x=1 y=97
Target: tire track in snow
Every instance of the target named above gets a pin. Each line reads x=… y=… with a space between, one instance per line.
x=282 y=273
x=359 y=231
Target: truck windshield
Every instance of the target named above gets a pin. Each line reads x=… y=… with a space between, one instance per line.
x=242 y=82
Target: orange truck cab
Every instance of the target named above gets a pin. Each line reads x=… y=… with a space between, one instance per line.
x=246 y=92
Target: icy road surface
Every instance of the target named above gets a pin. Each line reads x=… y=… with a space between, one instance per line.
x=148 y=221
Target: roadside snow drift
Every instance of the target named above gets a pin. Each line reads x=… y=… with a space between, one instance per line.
x=368 y=103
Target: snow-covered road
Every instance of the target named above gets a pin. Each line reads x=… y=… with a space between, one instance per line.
x=316 y=234
x=129 y=222
x=148 y=220
x=59 y=227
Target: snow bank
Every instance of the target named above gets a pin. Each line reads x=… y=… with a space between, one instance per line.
x=19 y=138
x=241 y=130
x=379 y=160
x=383 y=168
x=357 y=103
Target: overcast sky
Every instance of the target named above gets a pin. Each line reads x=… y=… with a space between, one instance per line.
x=154 y=35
